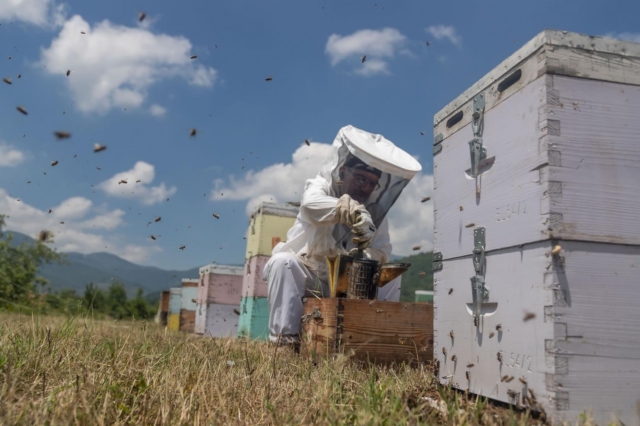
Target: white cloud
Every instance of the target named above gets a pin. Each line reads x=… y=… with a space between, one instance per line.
x=410 y=220
x=143 y=190
x=377 y=45
x=79 y=232
x=9 y=156
x=157 y=111
x=633 y=37
x=43 y=13
x=113 y=66
x=278 y=183
x=445 y=31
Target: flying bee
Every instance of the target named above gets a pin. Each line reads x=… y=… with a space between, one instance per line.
x=556 y=250
x=444 y=351
x=499 y=327
x=141 y=16
x=53 y=163
x=97 y=147
x=182 y=247
x=44 y=236
x=425 y=199
x=122 y=181
x=454 y=358
x=470 y=365
x=500 y=357
x=468 y=374
x=416 y=248
x=268 y=79
x=422 y=274
x=451 y=334
x=308 y=142
x=194 y=56
x=528 y=316
x=450 y=290
x=523 y=380
x=491 y=334
x=476 y=321
x=62 y=135
x=504 y=378
x=7 y=80
x=509 y=379
x=153 y=237
x=68 y=72
x=470 y=225
x=22 y=110
x=158 y=219
x=217 y=216
x=512 y=394
x=193 y=132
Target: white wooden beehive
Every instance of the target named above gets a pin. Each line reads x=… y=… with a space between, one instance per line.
x=558 y=165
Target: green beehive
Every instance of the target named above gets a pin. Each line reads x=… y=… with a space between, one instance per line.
x=269 y=220
x=254 y=318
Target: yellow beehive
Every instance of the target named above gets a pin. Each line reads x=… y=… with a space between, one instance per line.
x=268 y=221
x=173 y=322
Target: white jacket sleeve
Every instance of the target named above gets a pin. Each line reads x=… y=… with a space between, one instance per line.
x=317 y=206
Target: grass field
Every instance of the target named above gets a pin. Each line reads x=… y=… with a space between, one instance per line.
x=55 y=370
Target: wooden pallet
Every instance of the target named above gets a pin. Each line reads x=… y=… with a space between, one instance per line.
x=368 y=330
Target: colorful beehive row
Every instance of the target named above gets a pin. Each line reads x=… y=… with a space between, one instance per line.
x=188 y=304
x=218 y=300
x=268 y=225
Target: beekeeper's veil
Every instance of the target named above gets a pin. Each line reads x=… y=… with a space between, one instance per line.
x=397 y=167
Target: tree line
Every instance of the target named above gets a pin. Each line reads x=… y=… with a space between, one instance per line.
x=21 y=289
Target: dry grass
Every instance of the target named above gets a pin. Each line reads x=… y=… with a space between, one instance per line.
x=79 y=371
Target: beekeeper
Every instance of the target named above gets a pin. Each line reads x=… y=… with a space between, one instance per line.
x=342 y=209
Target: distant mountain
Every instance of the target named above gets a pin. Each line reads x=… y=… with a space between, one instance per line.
x=101 y=268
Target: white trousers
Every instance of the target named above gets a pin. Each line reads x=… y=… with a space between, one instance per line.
x=288 y=281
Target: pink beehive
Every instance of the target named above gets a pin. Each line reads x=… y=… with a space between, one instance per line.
x=252 y=284
x=218 y=285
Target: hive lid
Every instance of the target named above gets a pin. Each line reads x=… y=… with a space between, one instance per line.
x=214 y=268
x=547 y=37
x=276 y=209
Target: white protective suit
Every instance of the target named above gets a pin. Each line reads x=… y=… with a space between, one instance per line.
x=297 y=267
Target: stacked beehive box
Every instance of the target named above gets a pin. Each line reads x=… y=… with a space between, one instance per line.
x=175 y=296
x=188 y=304
x=218 y=302
x=268 y=224
x=163 y=308
x=537 y=194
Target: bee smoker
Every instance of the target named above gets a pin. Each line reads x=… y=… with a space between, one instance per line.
x=353 y=277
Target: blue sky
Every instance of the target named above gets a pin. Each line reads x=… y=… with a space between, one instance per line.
x=133 y=88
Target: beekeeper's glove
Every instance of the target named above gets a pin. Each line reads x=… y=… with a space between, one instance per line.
x=364 y=230
x=347 y=210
